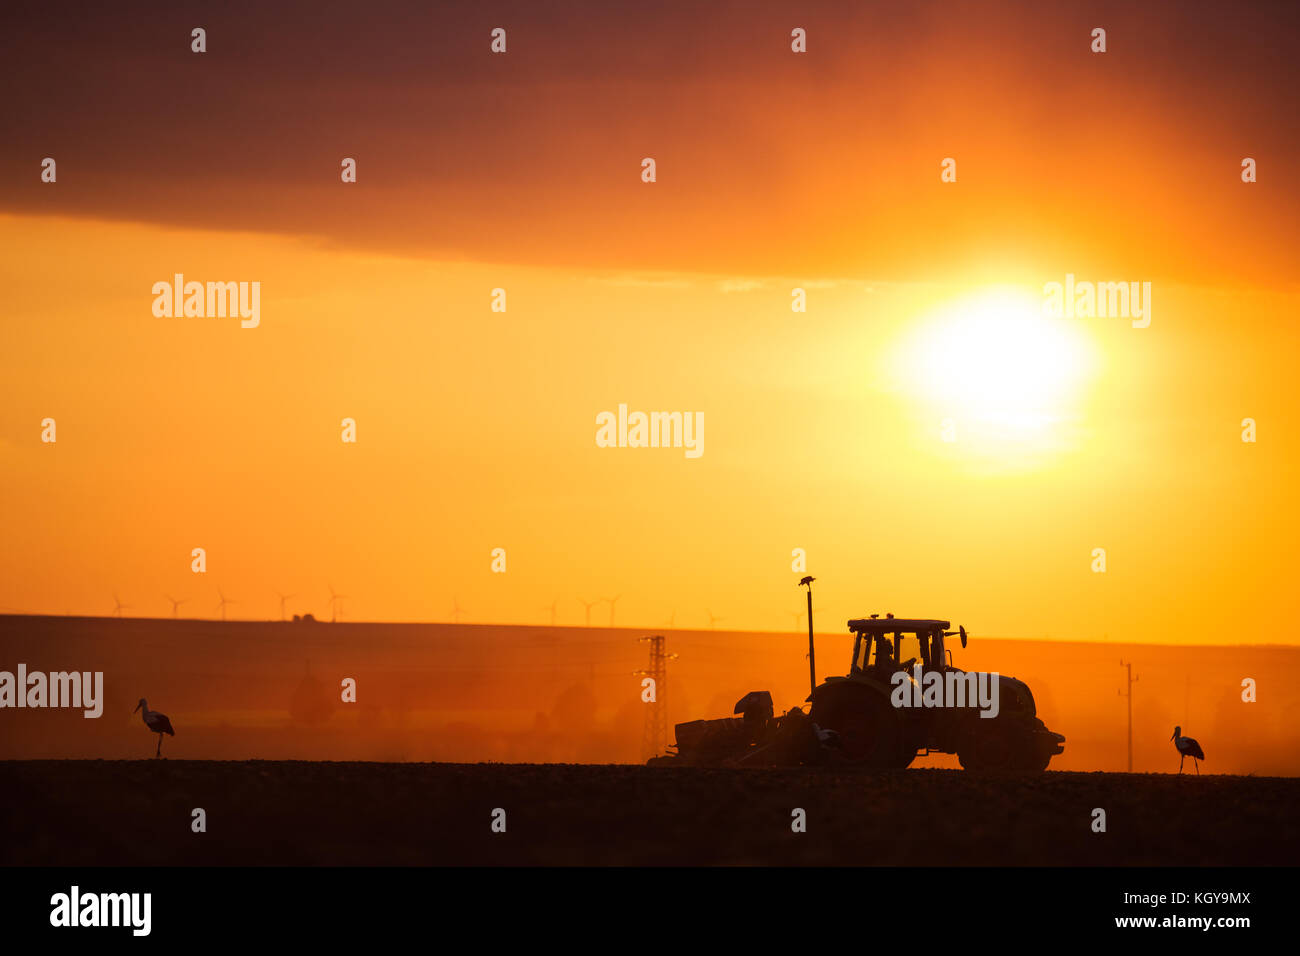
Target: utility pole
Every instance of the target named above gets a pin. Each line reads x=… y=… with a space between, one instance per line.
x=654 y=739
x=1128 y=692
x=812 y=660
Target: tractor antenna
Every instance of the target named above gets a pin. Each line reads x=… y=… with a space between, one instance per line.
x=812 y=660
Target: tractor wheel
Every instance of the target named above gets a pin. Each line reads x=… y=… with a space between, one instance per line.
x=1004 y=746
x=869 y=729
x=1038 y=762
x=991 y=750
x=1033 y=756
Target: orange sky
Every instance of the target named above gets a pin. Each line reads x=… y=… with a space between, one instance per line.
x=775 y=171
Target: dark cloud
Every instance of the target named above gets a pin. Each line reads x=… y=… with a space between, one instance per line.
x=768 y=162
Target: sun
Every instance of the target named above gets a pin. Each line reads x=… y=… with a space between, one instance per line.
x=996 y=367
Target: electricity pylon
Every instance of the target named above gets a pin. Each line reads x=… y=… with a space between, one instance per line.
x=654 y=740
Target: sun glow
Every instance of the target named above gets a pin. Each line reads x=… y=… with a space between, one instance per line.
x=998 y=368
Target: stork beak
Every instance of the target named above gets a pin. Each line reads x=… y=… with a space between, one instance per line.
x=137 y=707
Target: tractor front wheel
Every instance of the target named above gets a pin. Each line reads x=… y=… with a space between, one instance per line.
x=1003 y=746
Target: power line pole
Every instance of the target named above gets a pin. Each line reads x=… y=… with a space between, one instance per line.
x=654 y=739
x=1128 y=692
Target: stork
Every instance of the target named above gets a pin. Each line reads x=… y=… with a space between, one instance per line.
x=156 y=722
x=1187 y=747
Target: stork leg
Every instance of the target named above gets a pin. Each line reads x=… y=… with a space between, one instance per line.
x=1197 y=764
x=158 y=753
x=1181 y=758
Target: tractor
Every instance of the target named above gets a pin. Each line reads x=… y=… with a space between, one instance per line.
x=884 y=712
x=863 y=707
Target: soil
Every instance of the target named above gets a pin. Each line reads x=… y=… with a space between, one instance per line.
x=111 y=812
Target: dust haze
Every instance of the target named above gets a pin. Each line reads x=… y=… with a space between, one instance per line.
x=470 y=693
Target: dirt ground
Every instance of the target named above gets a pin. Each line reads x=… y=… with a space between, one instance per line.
x=319 y=813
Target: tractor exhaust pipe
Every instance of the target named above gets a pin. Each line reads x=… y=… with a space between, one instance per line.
x=812 y=659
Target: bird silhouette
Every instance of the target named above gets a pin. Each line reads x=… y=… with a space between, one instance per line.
x=1187 y=747
x=156 y=722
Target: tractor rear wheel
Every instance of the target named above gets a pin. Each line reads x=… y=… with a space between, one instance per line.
x=869 y=728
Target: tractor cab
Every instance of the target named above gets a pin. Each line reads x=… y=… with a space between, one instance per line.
x=879 y=647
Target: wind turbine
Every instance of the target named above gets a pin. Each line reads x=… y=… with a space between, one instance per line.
x=713 y=618
x=588 y=605
x=118 y=606
x=552 y=610
x=798 y=616
x=283 y=598
x=672 y=619
x=334 y=604
x=175 y=603
x=612 y=601
x=222 y=605
x=456 y=609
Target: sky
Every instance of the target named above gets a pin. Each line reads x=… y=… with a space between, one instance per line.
x=936 y=444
